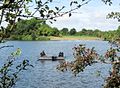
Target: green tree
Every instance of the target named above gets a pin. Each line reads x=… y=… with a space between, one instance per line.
x=27 y=26
x=98 y=33
x=55 y=32
x=64 y=31
x=72 y=31
x=84 y=31
x=45 y=30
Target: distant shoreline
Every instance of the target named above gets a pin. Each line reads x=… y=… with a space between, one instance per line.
x=74 y=38
x=53 y=38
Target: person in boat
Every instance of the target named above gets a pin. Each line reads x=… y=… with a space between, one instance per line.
x=61 y=54
x=42 y=53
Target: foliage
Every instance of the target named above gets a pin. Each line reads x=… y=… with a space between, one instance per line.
x=86 y=32
x=72 y=31
x=55 y=32
x=8 y=75
x=64 y=31
x=112 y=35
x=114 y=15
x=106 y=35
x=28 y=30
x=90 y=32
x=34 y=28
x=27 y=37
x=46 y=30
x=42 y=38
x=113 y=81
x=85 y=56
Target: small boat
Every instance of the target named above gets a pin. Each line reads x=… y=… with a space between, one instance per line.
x=53 y=58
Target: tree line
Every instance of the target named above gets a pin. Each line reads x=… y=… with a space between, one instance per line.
x=34 y=29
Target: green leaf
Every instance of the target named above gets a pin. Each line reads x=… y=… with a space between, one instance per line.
x=98 y=73
x=18 y=52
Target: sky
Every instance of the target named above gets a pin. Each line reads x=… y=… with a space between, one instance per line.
x=90 y=16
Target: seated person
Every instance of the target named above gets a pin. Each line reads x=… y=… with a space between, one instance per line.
x=61 y=54
x=42 y=53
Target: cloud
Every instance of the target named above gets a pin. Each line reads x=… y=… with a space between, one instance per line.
x=89 y=17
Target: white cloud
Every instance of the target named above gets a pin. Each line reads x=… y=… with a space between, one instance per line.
x=92 y=18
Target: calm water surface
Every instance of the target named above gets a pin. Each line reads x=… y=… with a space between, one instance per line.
x=45 y=75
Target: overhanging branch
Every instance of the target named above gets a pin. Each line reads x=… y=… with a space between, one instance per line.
x=6 y=46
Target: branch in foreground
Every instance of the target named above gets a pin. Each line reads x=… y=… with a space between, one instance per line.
x=6 y=46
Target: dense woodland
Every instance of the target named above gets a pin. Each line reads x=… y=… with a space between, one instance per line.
x=34 y=29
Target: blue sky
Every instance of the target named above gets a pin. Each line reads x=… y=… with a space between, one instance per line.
x=90 y=16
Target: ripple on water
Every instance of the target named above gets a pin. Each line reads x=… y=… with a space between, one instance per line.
x=45 y=75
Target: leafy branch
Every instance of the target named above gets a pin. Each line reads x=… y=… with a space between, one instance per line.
x=86 y=57
x=8 y=77
x=6 y=46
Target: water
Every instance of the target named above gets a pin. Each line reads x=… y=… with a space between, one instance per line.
x=45 y=75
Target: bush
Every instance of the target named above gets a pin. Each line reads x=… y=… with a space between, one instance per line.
x=26 y=37
x=41 y=38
